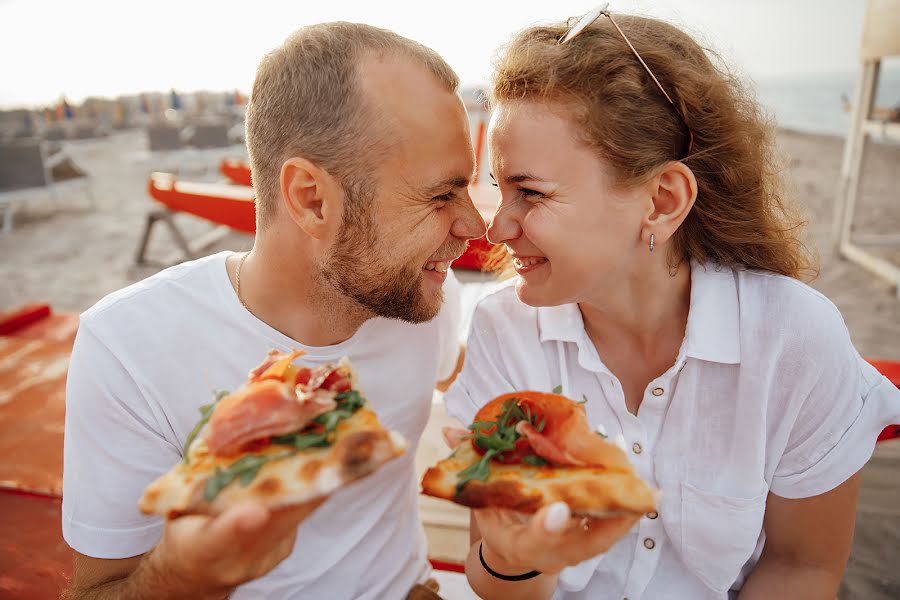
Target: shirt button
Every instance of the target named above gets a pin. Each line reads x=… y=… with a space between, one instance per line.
x=649 y=544
x=636 y=447
x=658 y=391
x=652 y=514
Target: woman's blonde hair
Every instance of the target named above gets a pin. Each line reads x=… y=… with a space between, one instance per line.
x=741 y=218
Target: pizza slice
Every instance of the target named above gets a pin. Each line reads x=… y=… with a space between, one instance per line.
x=287 y=436
x=527 y=450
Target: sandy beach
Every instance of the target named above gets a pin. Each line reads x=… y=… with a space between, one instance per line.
x=71 y=251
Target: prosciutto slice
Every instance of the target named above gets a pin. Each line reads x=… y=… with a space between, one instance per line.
x=260 y=410
x=566 y=438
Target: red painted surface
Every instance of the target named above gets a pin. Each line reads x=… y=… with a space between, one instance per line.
x=17 y=319
x=236 y=171
x=32 y=412
x=237 y=214
x=442 y=565
x=35 y=562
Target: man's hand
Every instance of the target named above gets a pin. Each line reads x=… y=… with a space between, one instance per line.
x=198 y=557
x=243 y=543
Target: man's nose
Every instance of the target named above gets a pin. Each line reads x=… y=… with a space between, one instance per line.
x=469 y=225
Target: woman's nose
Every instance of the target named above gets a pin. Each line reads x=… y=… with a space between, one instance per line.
x=505 y=224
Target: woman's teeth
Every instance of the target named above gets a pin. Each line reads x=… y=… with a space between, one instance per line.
x=440 y=267
x=528 y=262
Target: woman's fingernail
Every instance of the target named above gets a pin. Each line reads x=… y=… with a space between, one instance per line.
x=557 y=516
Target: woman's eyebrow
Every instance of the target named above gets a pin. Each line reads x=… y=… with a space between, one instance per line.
x=523 y=177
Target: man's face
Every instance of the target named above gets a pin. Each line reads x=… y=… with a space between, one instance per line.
x=394 y=249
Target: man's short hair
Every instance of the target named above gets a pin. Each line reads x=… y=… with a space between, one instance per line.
x=307 y=101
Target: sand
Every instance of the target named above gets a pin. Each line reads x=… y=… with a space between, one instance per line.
x=71 y=251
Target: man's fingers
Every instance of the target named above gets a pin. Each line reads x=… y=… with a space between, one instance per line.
x=453 y=436
x=288 y=518
x=237 y=522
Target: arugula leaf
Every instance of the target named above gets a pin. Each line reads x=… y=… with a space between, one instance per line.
x=557 y=389
x=495 y=437
x=331 y=419
x=244 y=469
x=206 y=412
x=302 y=440
x=347 y=403
x=534 y=460
x=216 y=483
x=350 y=400
x=479 y=471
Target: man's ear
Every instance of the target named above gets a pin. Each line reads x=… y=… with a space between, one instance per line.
x=673 y=193
x=310 y=195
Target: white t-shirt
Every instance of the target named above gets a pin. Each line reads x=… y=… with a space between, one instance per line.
x=767 y=395
x=148 y=356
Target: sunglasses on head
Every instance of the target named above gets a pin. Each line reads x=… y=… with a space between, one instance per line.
x=591 y=16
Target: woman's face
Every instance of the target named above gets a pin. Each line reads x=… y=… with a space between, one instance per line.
x=571 y=234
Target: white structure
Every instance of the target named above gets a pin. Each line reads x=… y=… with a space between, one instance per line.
x=881 y=39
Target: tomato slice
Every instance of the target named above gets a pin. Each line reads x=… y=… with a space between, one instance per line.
x=491 y=412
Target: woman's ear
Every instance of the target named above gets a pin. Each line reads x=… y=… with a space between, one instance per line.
x=310 y=196
x=673 y=192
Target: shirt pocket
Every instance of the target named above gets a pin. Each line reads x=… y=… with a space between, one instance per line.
x=719 y=534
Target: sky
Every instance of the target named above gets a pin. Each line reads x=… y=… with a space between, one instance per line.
x=86 y=48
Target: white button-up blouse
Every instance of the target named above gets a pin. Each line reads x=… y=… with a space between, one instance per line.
x=767 y=395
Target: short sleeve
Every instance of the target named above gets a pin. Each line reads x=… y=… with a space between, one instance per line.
x=449 y=326
x=484 y=375
x=113 y=450
x=834 y=433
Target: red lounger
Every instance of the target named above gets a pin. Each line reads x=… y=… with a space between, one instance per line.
x=225 y=204
x=236 y=171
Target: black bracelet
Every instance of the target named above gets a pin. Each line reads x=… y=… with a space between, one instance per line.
x=522 y=577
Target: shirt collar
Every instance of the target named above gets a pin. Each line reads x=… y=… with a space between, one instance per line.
x=713 y=327
x=560 y=323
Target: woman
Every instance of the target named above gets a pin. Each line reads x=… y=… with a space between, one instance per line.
x=659 y=274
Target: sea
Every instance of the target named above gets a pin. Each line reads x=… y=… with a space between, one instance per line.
x=815 y=103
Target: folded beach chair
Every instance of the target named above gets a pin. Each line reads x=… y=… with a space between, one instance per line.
x=230 y=206
x=28 y=169
x=210 y=135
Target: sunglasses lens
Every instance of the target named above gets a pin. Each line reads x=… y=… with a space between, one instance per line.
x=583 y=22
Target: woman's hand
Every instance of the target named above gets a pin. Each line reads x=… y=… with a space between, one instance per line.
x=548 y=541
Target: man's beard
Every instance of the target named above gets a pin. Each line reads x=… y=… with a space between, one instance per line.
x=354 y=270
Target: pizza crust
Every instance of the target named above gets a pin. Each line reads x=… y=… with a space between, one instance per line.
x=589 y=491
x=360 y=447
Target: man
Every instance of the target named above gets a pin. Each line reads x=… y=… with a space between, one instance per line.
x=361 y=159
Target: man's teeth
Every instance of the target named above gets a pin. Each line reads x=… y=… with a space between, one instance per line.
x=527 y=262
x=440 y=267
